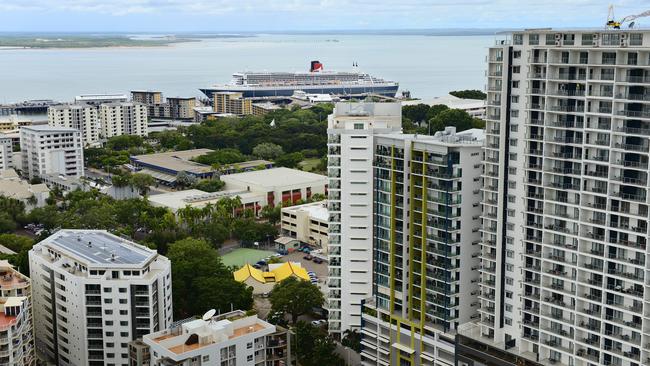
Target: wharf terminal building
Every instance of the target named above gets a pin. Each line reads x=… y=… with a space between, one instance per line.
x=565 y=276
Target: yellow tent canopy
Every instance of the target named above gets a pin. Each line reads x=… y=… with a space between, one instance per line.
x=247 y=271
x=279 y=274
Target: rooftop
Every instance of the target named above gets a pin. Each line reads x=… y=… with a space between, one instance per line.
x=176 y=160
x=11 y=278
x=93 y=97
x=199 y=333
x=448 y=137
x=316 y=210
x=450 y=101
x=197 y=198
x=48 y=128
x=13 y=187
x=274 y=177
x=98 y=247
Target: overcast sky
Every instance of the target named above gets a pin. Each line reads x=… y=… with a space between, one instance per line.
x=277 y=15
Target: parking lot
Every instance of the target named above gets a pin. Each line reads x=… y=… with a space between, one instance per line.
x=319 y=268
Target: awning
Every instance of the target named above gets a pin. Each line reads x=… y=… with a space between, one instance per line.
x=404 y=348
x=285 y=240
x=158 y=175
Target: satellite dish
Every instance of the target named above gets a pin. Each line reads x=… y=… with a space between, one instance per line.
x=209 y=314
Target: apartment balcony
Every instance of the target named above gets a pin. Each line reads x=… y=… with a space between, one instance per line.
x=569 y=76
x=634 y=114
x=630 y=196
x=568 y=93
x=632 y=147
x=566 y=140
x=634 y=79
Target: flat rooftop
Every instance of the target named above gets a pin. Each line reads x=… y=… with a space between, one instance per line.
x=316 y=210
x=274 y=177
x=450 y=101
x=48 y=128
x=473 y=136
x=175 y=160
x=197 y=198
x=98 y=247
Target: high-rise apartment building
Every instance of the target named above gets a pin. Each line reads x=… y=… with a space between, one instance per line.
x=564 y=275
x=351 y=132
x=82 y=117
x=146 y=97
x=94 y=292
x=6 y=153
x=16 y=323
x=181 y=107
x=232 y=103
x=123 y=118
x=51 y=150
x=426 y=246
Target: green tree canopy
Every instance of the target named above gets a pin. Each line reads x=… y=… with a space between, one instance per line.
x=451 y=117
x=142 y=182
x=124 y=142
x=295 y=297
x=289 y=160
x=415 y=113
x=200 y=280
x=314 y=347
x=268 y=151
x=469 y=94
x=209 y=185
x=222 y=157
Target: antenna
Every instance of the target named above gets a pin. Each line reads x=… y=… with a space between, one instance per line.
x=208 y=315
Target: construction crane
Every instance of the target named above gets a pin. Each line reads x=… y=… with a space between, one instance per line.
x=616 y=24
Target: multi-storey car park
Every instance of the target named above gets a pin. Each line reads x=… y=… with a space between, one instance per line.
x=564 y=276
x=93 y=293
x=426 y=245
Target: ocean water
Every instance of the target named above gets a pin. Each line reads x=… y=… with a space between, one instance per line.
x=427 y=66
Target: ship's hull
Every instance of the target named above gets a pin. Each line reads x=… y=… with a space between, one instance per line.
x=389 y=90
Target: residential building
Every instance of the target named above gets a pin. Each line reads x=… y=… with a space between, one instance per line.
x=260 y=109
x=6 y=152
x=99 y=99
x=16 y=319
x=94 y=292
x=278 y=185
x=202 y=114
x=32 y=195
x=147 y=97
x=82 y=117
x=229 y=339
x=232 y=103
x=123 y=118
x=351 y=131
x=426 y=246
x=14 y=122
x=565 y=208
x=181 y=107
x=307 y=223
x=51 y=150
x=473 y=107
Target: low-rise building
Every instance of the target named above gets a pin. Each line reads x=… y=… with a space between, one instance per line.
x=203 y=114
x=94 y=292
x=233 y=103
x=474 y=107
x=16 y=321
x=278 y=184
x=307 y=223
x=197 y=199
x=229 y=339
x=32 y=195
x=14 y=122
x=51 y=150
x=260 y=109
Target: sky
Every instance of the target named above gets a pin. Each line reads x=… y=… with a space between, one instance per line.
x=302 y=15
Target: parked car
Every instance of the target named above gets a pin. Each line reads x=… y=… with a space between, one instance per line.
x=318 y=260
x=308 y=257
x=261 y=263
x=311 y=273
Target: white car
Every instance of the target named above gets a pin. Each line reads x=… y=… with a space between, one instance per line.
x=318 y=323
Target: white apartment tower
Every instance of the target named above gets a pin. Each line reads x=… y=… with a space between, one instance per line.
x=351 y=130
x=426 y=246
x=94 y=292
x=51 y=150
x=16 y=323
x=82 y=117
x=564 y=277
x=123 y=118
x=6 y=153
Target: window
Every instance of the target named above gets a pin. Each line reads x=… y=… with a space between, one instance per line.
x=206 y=358
x=509 y=307
x=515 y=84
x=510 y=226
x=508 y=321
x=123 y=301
x=511 y=213
x=512 y=184
x=508 y=293
x=518 y=39
x=515 y=99
x=358 y=126
x=108 y=289
x=122 y=290
x=516 y=54
x=516 y=69
x=510 y=268
x=108 y=301
x=513 y=142
x=510 y=253
x=636 y=39
x=510 y=240
x=123 y=312
x=512 y=170
x=513 y=156
x=533 y=39
x=512 y=199
x=249 y=358
x=514 y=113
x=510 y=281
x=249 y=345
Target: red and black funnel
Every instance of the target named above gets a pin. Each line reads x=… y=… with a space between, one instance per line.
x=316 y=66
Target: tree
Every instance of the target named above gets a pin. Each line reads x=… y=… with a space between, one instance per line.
x=184 y=179
x=469 y=94
x=209 y=185
x=200 y=281
x=416 y=113
x=451 y=117
x=124 y=142
x=222 y=156
x=142 y=182
x=268 y=151
x=7 y=224
x=295 y=297
x=289 y=160
x=314 y=347
x=271 y=213
x=352 y=339
x=435 y=110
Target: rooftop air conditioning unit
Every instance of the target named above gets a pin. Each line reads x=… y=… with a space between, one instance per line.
x=595 y=39
x=623 y=39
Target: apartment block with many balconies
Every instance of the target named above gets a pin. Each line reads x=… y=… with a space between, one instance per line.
x=51 y=150
x=16 y=322
x=564 y=277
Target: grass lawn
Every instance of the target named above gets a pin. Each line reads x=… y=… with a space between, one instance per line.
x=241 y=256
x=309 y=164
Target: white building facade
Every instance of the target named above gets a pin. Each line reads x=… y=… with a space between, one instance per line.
x=123 y=118
x=95 y=292
x=307 y=223
x=564 y=276
x=82 y=117
x=6 y=153
x=51 y=150
x=351 y=130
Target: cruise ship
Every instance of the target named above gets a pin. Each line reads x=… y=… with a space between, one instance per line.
x=315 y=81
